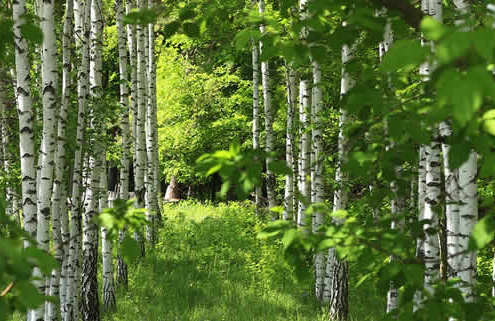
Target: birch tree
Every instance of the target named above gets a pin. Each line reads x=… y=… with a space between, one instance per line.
x=151 y=138
x=464 y=259
x=59 y=185
x=126 y=136
x=140 y=134
x=269 y=119
x=290 y=158
x=339 y=269
x=26 y=114
x=256 y=104
x=90 y=303
x=109 y=302
x=433 y=183
x=81 y=39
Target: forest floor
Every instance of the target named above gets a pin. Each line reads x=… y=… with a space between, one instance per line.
x=208 y=265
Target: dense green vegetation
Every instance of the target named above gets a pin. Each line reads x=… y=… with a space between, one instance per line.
x=210 y=265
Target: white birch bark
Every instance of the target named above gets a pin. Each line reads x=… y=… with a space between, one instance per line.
x=90 y=303
x=451 y=177
x=432 y=206
x=289 y=143
x=468 y=217
x=109 y=302
x=132 y=54
x=126 y=135
x=26 y=139
x=124 y=99
x=65 y=267
x=318 y=189
x=81 y=38
x=339 y=305
x=25 y=111
x=140 y=135
x=465 y=260
x=398 y=201
x=305 y=152
x=256 y=116
x=151 y=135
x=269 y=119
x=59 y=185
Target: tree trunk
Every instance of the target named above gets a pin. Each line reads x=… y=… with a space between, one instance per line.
x=290 y=143
x=26 y=137
x=432 y=206
x=151 y=143
x=90 y=304
x=468 y=217
x=126 y=135
x=59 y=197
x=81 y=39
x=318 y=188
x=269 y=119
x=109 y=303
x=256 y=117
x=140 y=136
x=305 y=152
x=339 y=295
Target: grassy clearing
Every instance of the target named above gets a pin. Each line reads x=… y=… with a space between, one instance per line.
x=209 y=265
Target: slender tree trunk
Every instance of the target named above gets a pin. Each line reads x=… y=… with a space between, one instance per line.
x=339 y=296
x=151 y=134
x=124 y=100
x=318 y=187
x=65 y=268
x=81 y=39
x=153 y=99
x=305 y=152
x=432 y=204
x=90 y=303
x=47 y=148
x=109 y=303
x=256 y=117
x=59 y=197
x=122 y=278
x=269 y=119
x=140 y=136
x=465 y=260
x=468 y=217
x=25 y=111
x=451 y=203
x=289 y=143
x=126 y=136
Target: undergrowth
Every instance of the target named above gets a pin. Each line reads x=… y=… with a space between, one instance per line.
x=209 y=265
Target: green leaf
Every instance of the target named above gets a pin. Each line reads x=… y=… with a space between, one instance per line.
x=279 y=167
x=483 y=233
x=405 y=55
x=453 y=46
x=130 y=249
x=432 y=28
x=489 y=121
x=191 y=29
x=488 y=166
x=459 y=153
x=30 y=295
x=32 y=32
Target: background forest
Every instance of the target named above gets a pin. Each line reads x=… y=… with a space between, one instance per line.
x=247 y=160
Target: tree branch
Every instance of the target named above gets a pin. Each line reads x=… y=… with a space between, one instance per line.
x=412 y=15
x=7 y=289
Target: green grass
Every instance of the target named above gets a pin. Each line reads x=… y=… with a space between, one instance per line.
x=208 y=265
